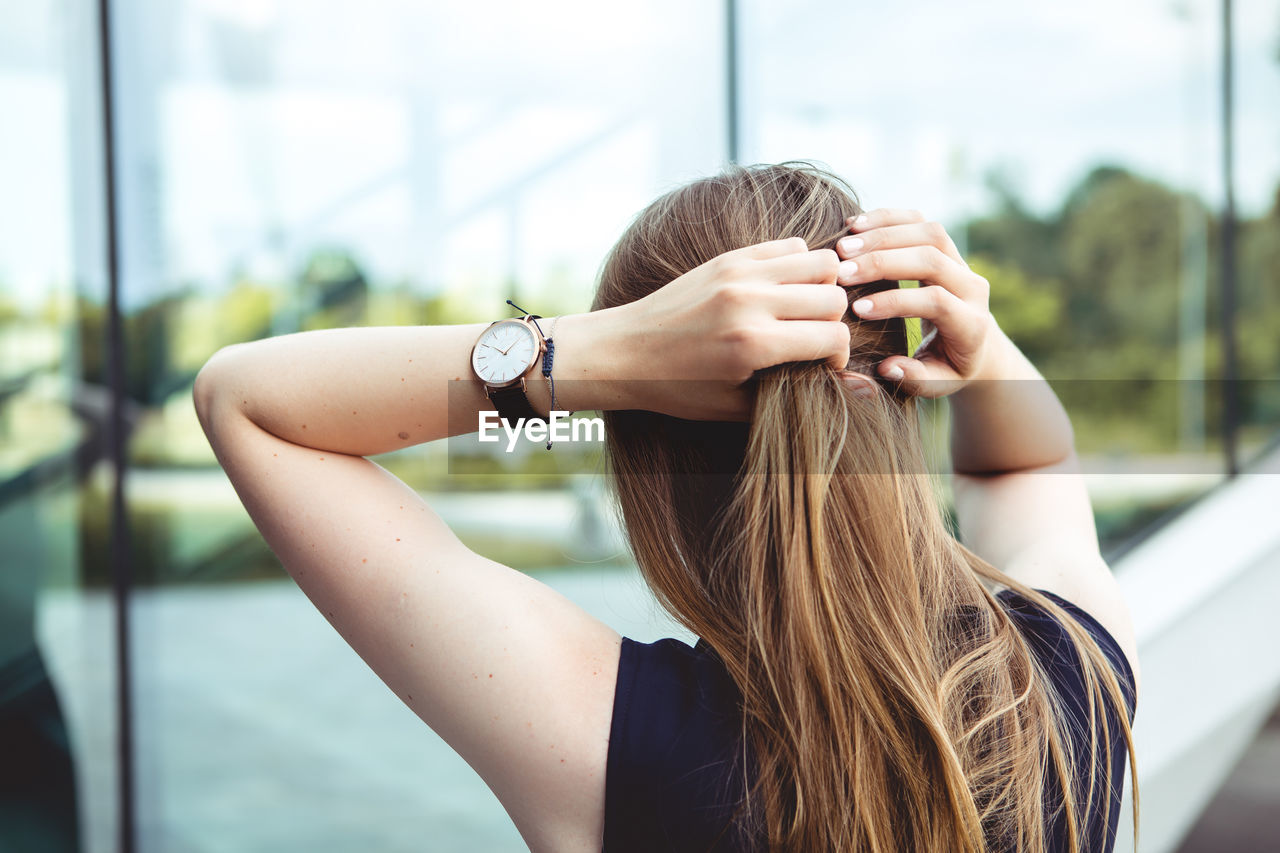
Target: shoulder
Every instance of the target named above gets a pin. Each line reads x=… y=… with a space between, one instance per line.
x=1037 y=527
x=1050 y=642
x=1084 y=583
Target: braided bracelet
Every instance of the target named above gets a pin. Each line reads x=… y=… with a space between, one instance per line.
x=548 y=359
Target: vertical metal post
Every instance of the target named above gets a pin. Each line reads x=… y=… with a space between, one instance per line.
x=121 y=558
x=1230 y=395
x=731 y=80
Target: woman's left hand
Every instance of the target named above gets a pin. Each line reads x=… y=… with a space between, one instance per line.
x=951 y=299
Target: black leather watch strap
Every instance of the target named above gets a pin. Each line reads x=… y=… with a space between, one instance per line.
x=512 y=404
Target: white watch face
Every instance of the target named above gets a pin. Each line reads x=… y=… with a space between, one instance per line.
x=504 y=352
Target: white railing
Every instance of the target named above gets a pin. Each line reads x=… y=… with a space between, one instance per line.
x=1205 y=595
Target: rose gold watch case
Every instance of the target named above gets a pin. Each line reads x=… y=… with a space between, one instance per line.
x=537 y=355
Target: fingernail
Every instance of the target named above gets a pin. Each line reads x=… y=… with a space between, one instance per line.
x=846 y=271
x=861 y=306
x=862 y=390
x=851 y=244
x=894 y=372
x=860 y=221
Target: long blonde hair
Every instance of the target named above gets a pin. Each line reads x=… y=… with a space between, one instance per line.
x=888 y=701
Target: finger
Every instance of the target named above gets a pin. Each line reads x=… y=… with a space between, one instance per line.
x=817 y=267
x=937 y=305
x=897 y=237
x=883 y=216
x=805 y=301
x=807 y=340
x=921 y=377
x=915 y=263
x=772 y=249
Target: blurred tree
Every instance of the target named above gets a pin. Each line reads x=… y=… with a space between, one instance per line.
x=1259 y=293
x=1012 y=233
x=1029 y=310
x=244 y=314
x=1121 y=245
x=1258 y=319
x=151 y=375
x=9 y=311
x=334 y=290
x=1091 y=293
x=91 y=322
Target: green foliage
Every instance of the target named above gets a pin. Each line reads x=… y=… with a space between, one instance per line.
x=1013 y=235
x=333 y=290
x=1258 y=295
x=9 y=311
x=1029 y=309
x=1095 y=293
x=1121 y=250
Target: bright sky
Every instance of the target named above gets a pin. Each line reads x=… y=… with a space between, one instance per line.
x=467 y=143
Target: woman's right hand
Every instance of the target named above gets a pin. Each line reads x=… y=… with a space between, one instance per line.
x=952 y=299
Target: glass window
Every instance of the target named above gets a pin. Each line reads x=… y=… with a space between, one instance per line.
x=58 y=681
x=298 y=165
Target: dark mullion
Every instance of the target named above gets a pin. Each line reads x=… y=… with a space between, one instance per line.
x=121 y=558
x=1230 y=367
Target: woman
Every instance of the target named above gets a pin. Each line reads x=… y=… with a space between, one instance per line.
x=863 y=681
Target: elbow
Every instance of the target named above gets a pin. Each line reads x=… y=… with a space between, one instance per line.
x=209 y=392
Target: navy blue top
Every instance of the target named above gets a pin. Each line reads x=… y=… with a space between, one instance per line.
x=675 y=761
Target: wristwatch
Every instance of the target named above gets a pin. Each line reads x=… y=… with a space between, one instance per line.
x=504 y=353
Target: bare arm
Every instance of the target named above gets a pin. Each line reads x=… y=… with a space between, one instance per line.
x=512 y=675
x=366 y=391
x=1007 y=418
x=465 y=642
